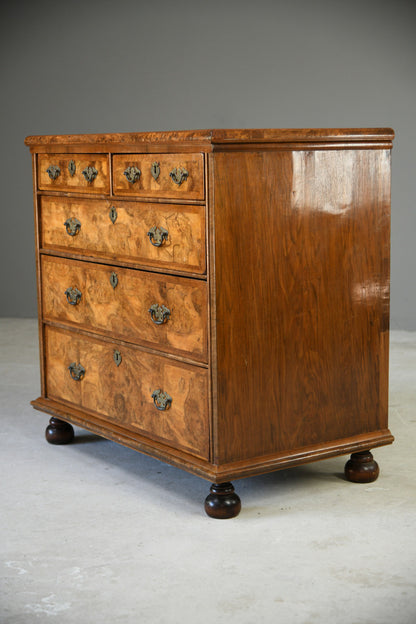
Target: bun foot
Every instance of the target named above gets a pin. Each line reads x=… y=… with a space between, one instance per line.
x=59 y=432
x=361 y=468
x=223 y=502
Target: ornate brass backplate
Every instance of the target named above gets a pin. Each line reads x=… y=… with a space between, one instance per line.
x=73 y=226
x=132 y=174
x=157 y=235
x=159 y=313
x=53 y=172
x=77 y=371
x=161 y=400
x=90 y=173
x=179 y=175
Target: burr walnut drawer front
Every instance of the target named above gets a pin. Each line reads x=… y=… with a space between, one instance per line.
x=80 y=173
x=166 y=312
x=159 y=175
x=144 y=393
x=159 y=235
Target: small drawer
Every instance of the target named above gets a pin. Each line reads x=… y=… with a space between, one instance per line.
x=158 y=235
x=80 y=173
x=166 y=313
x=147 y=394
x=159 y=175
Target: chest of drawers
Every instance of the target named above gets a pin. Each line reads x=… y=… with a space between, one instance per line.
x=217 y=299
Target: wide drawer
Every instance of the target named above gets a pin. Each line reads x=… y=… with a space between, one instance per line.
x=159 y=175
x=169 y=313
x=80 y=173
x=149 y=394
x=120 y=230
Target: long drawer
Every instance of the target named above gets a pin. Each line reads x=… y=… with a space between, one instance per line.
x=80 y=173
x=169 y=313
x=159 y=175
x=158 y=235
x=152 y=395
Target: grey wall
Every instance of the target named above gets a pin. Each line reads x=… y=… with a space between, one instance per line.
x=133 y=65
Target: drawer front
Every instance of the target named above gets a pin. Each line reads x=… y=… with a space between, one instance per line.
x=168 y=313
x=123 y=393
x=119 y=230
x=159 y=175
x=80 y=173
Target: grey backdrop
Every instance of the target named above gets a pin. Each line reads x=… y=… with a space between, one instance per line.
x=133 y=65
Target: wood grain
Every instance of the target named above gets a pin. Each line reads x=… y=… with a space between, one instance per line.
x=77 y=182
x=123 y=394
x=302 y=295
x=163 y=186
x=184 y=137
x=123 y=311
x=127 y=238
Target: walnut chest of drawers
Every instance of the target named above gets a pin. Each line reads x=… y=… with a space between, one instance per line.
x=217 y=299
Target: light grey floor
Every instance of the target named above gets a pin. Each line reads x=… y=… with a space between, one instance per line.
x=95 y=533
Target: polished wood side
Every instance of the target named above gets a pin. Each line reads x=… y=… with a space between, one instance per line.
x=126 y=239
x=163 y=186
x=301 y=303
x=123 y=311
x=76 y=182
x=122 y=394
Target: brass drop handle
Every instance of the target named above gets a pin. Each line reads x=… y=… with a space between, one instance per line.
x=77 y=371
x=132 y=174
x=73 y=296
x=161 y=400
x=157 y=235
x=179 y=175
x=53 y=171
x=90 y=173
x=159 y=313
x=73 y=226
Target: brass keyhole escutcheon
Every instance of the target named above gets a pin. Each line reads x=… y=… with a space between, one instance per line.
x=71 y=168
x=155 y=170
x=113 y=279
x=113 y=214
x=117 y=357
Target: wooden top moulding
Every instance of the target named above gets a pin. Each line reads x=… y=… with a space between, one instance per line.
x=220 y=137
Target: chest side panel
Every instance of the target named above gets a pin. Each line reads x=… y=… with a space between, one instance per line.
x=302 y=298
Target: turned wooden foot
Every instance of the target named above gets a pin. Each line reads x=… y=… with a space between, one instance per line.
x=223 y=502
x=59 y=432
x=361 y=468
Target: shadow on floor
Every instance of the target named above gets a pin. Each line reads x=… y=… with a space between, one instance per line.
x=280 y=487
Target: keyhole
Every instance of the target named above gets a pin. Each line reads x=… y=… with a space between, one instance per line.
x=113 y=279
x=113 y=214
